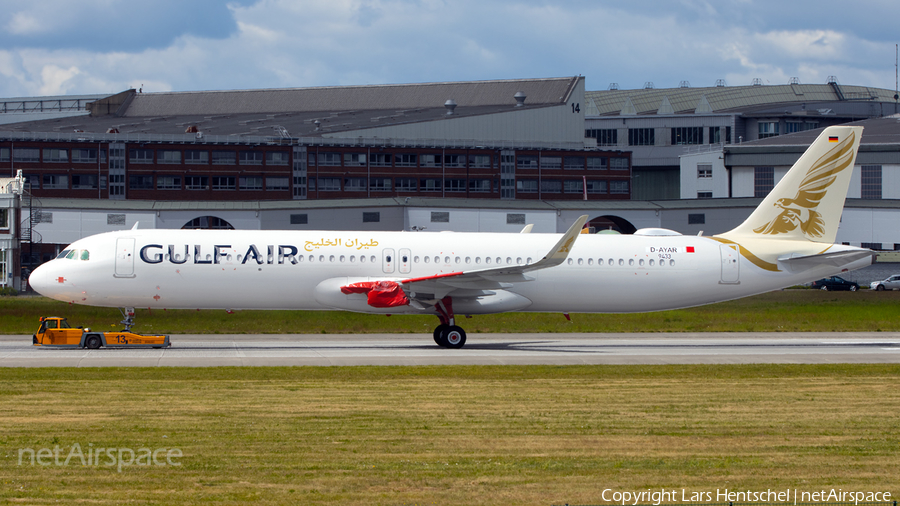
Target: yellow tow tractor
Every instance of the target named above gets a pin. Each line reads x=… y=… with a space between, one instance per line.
x=56 y=332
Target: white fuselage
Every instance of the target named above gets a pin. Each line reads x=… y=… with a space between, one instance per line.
x=232 y=269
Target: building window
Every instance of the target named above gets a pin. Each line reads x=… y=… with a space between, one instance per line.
x=380 y=160
x=84 y=181
x=136 y=155
x=53 y=155
x=641 y=137
x=4 y=154
x=526 y=186
x=44 y=217
x=604 y=136
x=406 y=160
x=299 y=219
x=551 y=162
x=704 y=171
x=871 y=245
x=687 y=135
x=115 y=219
x=224 y=158
x=168 y=182
x=354 y=159
x=223 y=183
x=405 y=184
x=763 y=181
x=277 y=183
x=208 y=222
x=715 y=135
x=573 y=186
x=26 y=155
x=84 y=155
x=380 y=184
x=596 y=163
x=4 y=218
x=618 y=187
x=56 y=182
x=455 y=185
x=551 y=186
x=328 y=159
x=196 y=182
x=329 y=184
x=196 y=157
x=168 y=156
x=704 y=195
x=515 y=219
x=354 y=184
x=480 y=161
x=280 y=158
x=430 y=185
x=871 y=181
x=696 y=219
x=596 y=187
x=768 y=129
x=480 y=185
x=728 y=135
x=251 y=158
x=618 y=163
x=574 y=163
x=371 y=217
x=454 y=161
x=440 y=217
x=526 y=162
x=251 y=182
x=431 y=160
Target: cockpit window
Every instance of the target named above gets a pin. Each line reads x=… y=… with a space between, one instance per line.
x=75 y=254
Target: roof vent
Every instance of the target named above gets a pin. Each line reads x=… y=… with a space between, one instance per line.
x=684 y=84
x=520 y=99
x=613 y=86
x=450 y=104
x=720 y=83
x=756 y=82
x=648 y=85
x=191 y=129
x=794 y=80
x=317 y=123
x=112 y=130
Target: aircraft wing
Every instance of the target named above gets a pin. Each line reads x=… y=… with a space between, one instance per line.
x=424 y=291
x=497 y=277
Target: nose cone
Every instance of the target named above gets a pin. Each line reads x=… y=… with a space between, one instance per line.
x=40 y=280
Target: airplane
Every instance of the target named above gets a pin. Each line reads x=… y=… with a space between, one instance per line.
x=787 y=240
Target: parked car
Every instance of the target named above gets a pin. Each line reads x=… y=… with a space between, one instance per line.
x=835 y=283
x=891 y=283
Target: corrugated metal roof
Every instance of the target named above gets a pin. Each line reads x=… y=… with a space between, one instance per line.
x=729 y=98
x=347 y=98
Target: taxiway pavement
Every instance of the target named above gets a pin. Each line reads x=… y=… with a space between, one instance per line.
x=494 y=349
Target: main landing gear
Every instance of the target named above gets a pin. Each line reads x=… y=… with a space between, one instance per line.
x=448 y=334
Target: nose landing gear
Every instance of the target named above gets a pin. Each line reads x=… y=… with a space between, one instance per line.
x=448 y=334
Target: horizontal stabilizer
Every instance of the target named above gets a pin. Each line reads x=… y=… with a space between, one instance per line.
x=836 y=259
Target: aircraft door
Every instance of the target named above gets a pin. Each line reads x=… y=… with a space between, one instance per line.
x=731 y=265
x=404 y=261
x=124 y=257
x=388 y=260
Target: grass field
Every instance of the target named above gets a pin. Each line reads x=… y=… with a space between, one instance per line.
x=780 y=311
x=449 y=435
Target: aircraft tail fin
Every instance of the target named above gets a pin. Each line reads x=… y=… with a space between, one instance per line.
x=808 y=201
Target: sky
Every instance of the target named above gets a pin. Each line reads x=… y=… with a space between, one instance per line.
x=63 y=47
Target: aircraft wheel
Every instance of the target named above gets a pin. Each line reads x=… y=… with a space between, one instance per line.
x=879 y=288
x=439 y=335
x=455 y=337
x=92 y=342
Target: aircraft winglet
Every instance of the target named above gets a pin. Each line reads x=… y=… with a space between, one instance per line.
x=561 y=250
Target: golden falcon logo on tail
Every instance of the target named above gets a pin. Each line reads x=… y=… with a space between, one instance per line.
x=800 y=211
